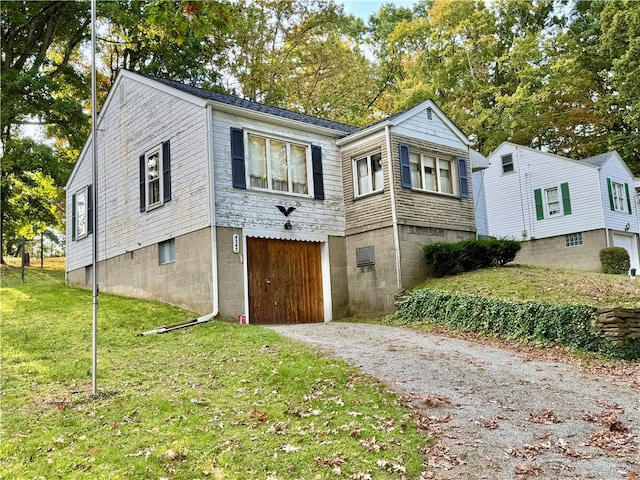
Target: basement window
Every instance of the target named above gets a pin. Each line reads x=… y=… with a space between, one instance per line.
x=573 y=239
x=167 y=251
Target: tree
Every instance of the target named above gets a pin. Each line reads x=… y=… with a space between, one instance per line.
x=39 y=85
x=620 y=43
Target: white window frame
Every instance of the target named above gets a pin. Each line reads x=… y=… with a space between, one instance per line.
x=167 y=251
x=573 y=239
x=423 y=164
x=549 y=201
x=150 y=181
x=82 y=221
x=289 y=144
x=372 y=179
x=510 y=163
x=619 y=197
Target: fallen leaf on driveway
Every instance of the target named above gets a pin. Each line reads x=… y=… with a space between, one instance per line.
x=546 y=417
x=435 y=400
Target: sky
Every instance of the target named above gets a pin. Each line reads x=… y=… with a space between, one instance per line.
x=364 y=8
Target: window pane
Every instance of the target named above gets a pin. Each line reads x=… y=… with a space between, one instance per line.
x=279 y=168
x=167 y=251
x=428 y=166
x=81 y=214
x=618 y=197
x=445 y=176
x=416 y=180
x=153 y=178
x=378 y=180
x=362 y=167
x=257 y=162
x=298 y=162
x=507 y=163
x=553 y=202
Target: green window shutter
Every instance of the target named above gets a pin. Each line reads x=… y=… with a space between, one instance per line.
x=610 y=189
x=566 y=200
x=626 y=190
x=537 y=195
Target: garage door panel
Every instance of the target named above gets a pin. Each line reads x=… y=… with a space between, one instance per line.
x=285 y=281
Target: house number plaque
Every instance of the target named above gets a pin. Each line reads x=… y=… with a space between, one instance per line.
x=236 y=243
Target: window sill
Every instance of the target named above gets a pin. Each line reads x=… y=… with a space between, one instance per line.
x=367 y=195
x=154 y=206
x=433 y=192
x=279 y=192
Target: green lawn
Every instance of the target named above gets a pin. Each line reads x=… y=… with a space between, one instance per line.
x=217 y=400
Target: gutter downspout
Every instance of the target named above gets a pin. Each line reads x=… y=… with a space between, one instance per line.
x=604 y=215
x=394 y=213
x=214 y=247
x=212 y=213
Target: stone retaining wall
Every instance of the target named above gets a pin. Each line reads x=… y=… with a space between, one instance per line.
x=618 y=323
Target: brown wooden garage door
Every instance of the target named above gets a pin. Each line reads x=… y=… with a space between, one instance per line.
x=285 y=281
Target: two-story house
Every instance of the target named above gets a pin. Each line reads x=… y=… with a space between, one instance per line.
x=227 y=206
x=565 y=210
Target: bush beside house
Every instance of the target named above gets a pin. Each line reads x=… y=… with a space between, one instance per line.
x=468 y=255
x=615 y=260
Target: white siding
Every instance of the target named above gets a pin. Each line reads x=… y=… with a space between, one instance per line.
x=246 y=208
x=145 y=119
x=510 y=196
x=618 y=173
x=434 y=130
x=479 y=202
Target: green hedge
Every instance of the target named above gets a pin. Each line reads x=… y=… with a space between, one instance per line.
x=535 y=322
x=615 y=260
x=450 y=258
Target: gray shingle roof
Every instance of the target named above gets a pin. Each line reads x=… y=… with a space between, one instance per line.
x=599 y=160
x=255 y=106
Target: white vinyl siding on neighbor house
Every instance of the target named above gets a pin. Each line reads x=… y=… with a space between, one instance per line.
x=519 y=204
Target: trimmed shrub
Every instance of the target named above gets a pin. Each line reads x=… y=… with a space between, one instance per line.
x=535 y=322
x=443 y=258
x=615 y=260
x=468 y=255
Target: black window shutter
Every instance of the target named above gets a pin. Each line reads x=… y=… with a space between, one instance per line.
x=143 y=203
x=405 y=166
x=462 y=177
x=90 y=209
x=237 y=158
x=316 y=166
x=166 y=171
x=73 y=217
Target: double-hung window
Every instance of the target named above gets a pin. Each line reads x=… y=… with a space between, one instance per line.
x=507 y=163
x=82 y=213
x=552 y=201
x=155 y=177
x=619 y=198
x=432 y=173
x=368 y=175
x=278 y=165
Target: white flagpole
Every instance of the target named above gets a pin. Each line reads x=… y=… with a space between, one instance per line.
x=94 y=142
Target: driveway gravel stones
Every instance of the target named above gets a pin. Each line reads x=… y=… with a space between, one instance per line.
x=497 y=413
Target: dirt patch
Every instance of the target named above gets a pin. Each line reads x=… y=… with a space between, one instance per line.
x=498 y=413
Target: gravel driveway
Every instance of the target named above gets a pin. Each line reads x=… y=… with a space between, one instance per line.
x=497 y=413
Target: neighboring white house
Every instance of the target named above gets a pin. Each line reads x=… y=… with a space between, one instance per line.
x=565 y=210
x=227 y=206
